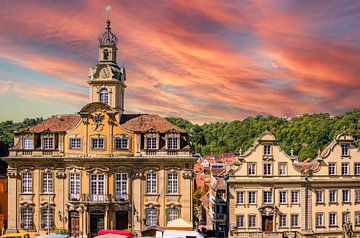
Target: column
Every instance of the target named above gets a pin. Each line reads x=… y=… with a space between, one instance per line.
x=12 y=206
x=136 y=199
x=106 y=218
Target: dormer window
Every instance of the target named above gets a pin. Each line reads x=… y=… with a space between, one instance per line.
x=173 y=143
x=345 y=150
x=106 y=54
x=267 y=150
x=121 y=143
x=48 y=143
x=97 y=143
x=104 y=96
x=28 y=143
x=75 y=143
x=151 y=143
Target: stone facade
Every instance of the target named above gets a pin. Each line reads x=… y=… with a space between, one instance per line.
x=272 y=194
x=100 y=168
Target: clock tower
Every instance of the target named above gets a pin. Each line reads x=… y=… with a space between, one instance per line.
x=107 y=79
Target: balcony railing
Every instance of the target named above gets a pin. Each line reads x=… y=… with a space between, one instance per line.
x=74 y=197
x=119 y=197
x=96 y=198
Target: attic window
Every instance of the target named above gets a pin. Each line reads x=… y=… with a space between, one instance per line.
x=27 y=143
x=267 y=149
x=345 y=150
x=173 y=143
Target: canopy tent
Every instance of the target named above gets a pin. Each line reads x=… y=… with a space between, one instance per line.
x=179 y=224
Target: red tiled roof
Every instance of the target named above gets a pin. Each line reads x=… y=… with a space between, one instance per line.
x=57 y=123
x=143 y=123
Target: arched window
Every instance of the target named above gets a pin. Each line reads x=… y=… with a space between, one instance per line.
x=104 y=96
x=106 y=54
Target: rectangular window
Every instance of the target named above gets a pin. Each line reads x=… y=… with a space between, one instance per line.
x=47 y=183
x=252 y=197
x=75 y=143
x=97 y=143
x=151 y=216
x=47 y=218
x=267 y=149
x=121 y=187
x=294 y=196
x=121 y=143
x=357 y=168
x=97 y=187
x=282 y=220
x=26 y=182
x=48 y=143
x=239 y=220
x=332 y=196
x=345 y=150
x=26 y=218
x=172 y=214
x=172 y=183
x=332 y=219
x=345 y=169
x=357 y=196
x=282 y=197
x=240 y=197
x=319 y=196
x=319 y=219
x=27 y=144
x=267 y=197
x=346 y=196
x=151 y=183
x=251 y=169
x=294 y=220
x=357 y=218
x=74 y=179
x=282 y=169
x=267 y=169
x=332 y=168
x=173 y=143
x=343 y=218
x=151 y=143
x=252 y=221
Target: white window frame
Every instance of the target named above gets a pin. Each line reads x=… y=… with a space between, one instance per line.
x=356 y=168
x=151 y=143
x=27 y=218
x=319 y=195
x=47 y=217
x=294 y=220
x=319 y=219
x=332 y=196
x=345 y=168
x=357 y=195
x=97 y=143
x=251 y=199
x=240 y=198
x=293 y=200
x=121 y=143
x=74 y=186
x=172 y=183
x=282 y=169
x=346 y=194
x=172 y=214
x=251 y=169
x=332 y=169
x=267 y=149
x=282 y=197
x=173 y=143
x=48 y=143
x=240 y=220
x=104 y=96
x=151 y=183
x=282 y=220
x=75 y=143
x=47 y=182
x=332 y=219
x=267 y=197
x=251 y=220
x=267 y=169
x=28 y=143
x=121 y=187
x=151 y=215
x=357 y=218
x=345 y=149
x=26 y=182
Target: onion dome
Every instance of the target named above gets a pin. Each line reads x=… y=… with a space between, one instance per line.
x=108 y=38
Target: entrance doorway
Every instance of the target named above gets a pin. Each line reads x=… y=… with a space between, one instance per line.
x=96 y=222
x=267 y=223
x=74 y=224
x=122 y=220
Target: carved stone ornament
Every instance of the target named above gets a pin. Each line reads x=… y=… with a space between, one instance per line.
x=97 y=118
x=12 y=173
x=102 y=170
x=60 y=173
x=137 y=174
x=187 y=174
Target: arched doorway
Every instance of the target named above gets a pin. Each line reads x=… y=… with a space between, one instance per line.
x=74 y=224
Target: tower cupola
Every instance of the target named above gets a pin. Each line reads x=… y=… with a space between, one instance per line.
x=107 y=45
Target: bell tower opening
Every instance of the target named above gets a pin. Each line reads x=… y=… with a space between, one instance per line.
x=107 y=79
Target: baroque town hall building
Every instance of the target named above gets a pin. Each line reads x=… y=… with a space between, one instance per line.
x=100 y=168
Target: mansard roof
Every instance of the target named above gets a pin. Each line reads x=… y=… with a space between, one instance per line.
x=147 y=122
x=59 y=123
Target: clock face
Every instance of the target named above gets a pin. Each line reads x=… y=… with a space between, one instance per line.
x=105 y=72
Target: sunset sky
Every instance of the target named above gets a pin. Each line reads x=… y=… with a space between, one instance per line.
x=201 y=60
